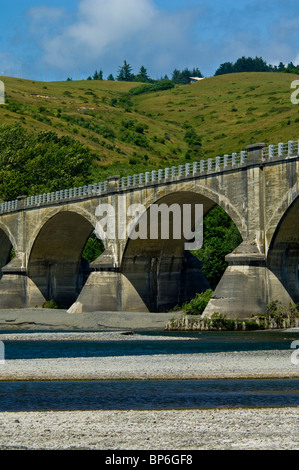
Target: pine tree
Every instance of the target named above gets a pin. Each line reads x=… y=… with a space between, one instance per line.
x=98 y=75
x=125 y=73
x=142 y=76
x=176 y=74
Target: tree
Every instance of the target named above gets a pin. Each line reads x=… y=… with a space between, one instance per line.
x=142 y=76
x=196 y=73
x=244 y=64
x=125 y=73
x=98 y=75
x=110 y=77
x=183 y=77
x=93 y=248
x=220 y=237
x=227 y=67
x=248 y=64
x=39 y=163
x=281 y=67
x=176 y=76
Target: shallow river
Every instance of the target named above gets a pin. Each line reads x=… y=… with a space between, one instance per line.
x=149 y=394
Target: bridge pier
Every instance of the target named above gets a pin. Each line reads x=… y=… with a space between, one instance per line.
x=247 y=285
x=141 y=285
x=16 y=288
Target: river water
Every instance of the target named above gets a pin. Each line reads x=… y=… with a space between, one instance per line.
x=208 y=342
x=149 y=394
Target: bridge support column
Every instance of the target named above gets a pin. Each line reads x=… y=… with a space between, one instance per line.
x=247 y=285
x=16 y=289
x=107 y=289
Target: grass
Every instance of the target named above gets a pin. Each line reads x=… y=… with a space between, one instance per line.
x=228 y=112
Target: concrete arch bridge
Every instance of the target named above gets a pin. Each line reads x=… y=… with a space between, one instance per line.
x=257 y=187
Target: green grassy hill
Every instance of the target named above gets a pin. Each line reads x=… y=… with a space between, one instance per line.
x=131 y=133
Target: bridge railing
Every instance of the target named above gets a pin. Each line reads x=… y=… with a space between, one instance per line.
x=8 y=206
x=174 y=172
x=281 y=149
x=89 y=190
x=218 y=163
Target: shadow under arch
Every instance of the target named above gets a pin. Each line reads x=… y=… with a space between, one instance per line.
x=283 y=252
x=5 y=249
x=162 y=272
x=55 y=261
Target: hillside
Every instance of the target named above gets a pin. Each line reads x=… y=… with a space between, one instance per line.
x=129 y=133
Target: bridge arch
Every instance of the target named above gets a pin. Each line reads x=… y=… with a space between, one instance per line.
x=283 y=252
x=282 y=207
x=161 y=270
x=54 y=263
x=208 y=195
x=48 y=214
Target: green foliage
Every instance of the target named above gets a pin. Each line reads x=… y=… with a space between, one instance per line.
x=197 y=305
x=218 y=321
x=51 y=304
x=183 y=77
x=194 y=142
x=220 y=237
x=125 y=73
x=98 y=75
x=93 y=248
x=12 y=254
x=252 y=325
x=257 y=64
x=142 y=76
x=157 y=86
x=279 y=312
x=33 y=164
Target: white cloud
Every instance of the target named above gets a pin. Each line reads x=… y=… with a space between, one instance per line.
x=102 y=33
x=111 y=31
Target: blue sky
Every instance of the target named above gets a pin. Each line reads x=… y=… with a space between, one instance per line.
x=53 y=40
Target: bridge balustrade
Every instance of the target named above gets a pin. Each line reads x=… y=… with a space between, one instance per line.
x=280 y=150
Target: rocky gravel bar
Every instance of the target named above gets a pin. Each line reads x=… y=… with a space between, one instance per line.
x=202 y=429
x=211 y=429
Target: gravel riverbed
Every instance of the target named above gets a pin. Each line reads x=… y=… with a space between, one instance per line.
x=213 y=429
x=236 y=428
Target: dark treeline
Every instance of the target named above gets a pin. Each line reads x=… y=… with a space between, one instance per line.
x=125 y=74
x=182 y=77
x=257 y=64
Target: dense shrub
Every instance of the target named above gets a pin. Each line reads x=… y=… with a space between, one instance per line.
x=34 y=164
x=197 y=305
x=157 y=86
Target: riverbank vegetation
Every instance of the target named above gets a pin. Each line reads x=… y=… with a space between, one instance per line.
x=277 y=316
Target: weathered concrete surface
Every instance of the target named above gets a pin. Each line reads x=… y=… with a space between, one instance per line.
x=260 y=195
